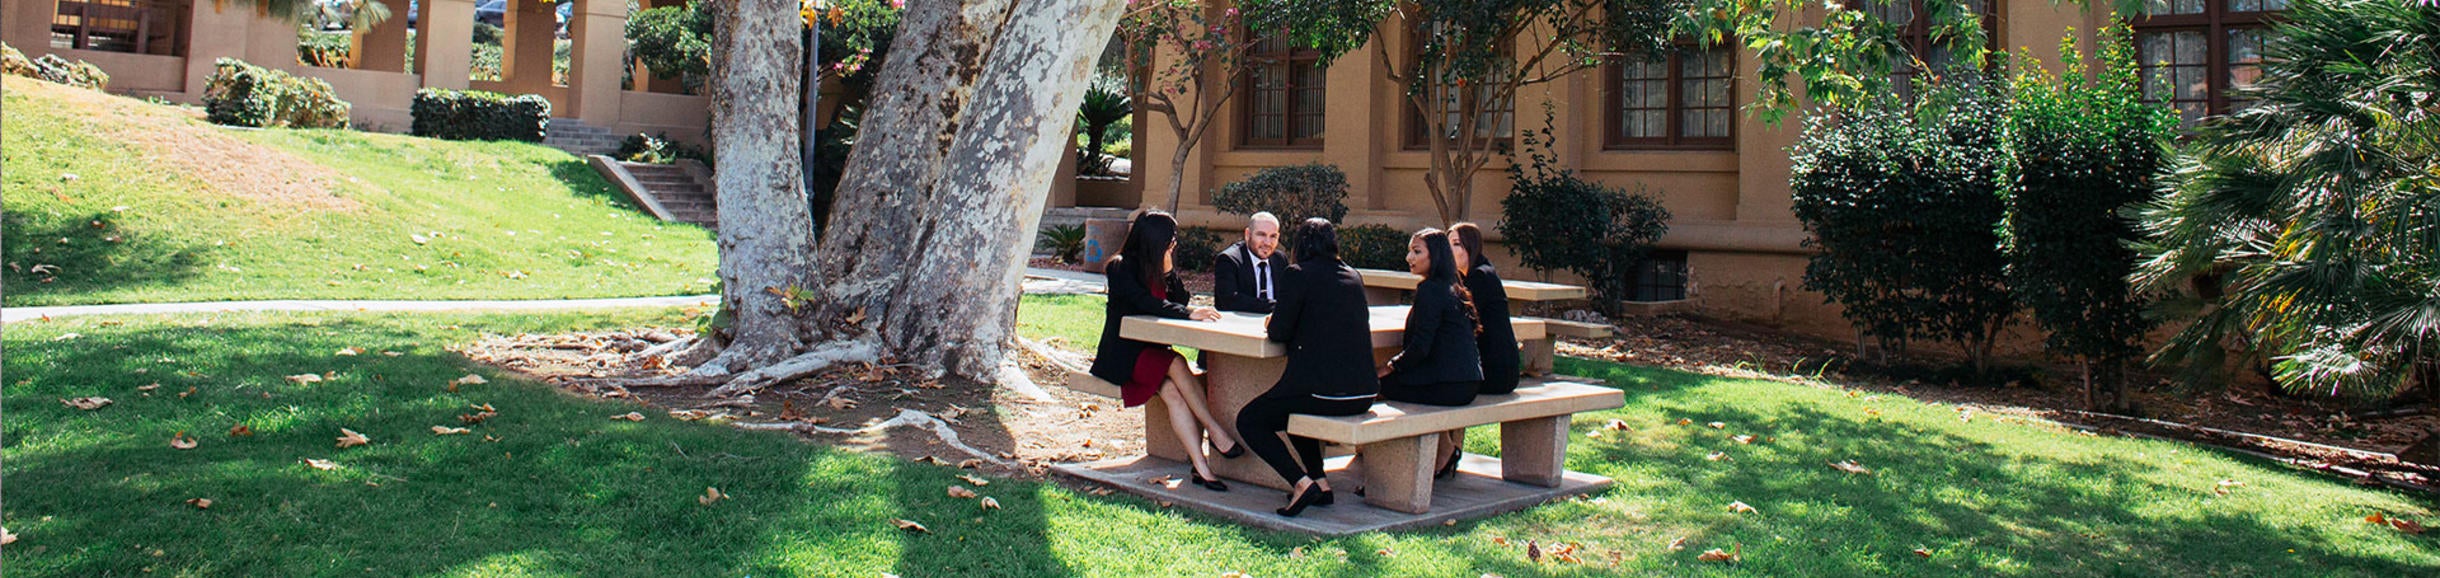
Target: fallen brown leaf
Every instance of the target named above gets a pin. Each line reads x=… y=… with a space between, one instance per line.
x=7 y=537
x=1851 y=467
x=86 y=403
x=911 y=526
x=200 y=503
x=1098 y=491
x=971 y=479
x=442 y=430
x=1740 y=507
x=1715 y=555
x=970 y=463
x=2405 y=525
x=470 y=379
x=148 y=387
x=475 y=418
x=1924 y=552
x=180 y=441
x=631 y=416
x=321 y=464
x=1296 y=552
x=689 y=414
x=842 y=404
x=1533 y=551
x=960 y=492
x=305 y=378
x=990 y=504
x=1684 y=421
x=190 y=390
x=1743 y=439
x=1616 y=425
x=348 y=438
x=240 y=430
x=1678 y=543
x=1717 y=425
x=710 y=494
x=1166 y=481
x=349 y=352
x=1716 y=456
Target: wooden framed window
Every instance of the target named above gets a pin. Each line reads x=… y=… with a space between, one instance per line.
x=1687 y=100
x=1285 y=96
x=2194 y=54
x=1913 y=19
x=1497 y=120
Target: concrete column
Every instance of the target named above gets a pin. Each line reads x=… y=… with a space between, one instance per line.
x=382 y=47
x=1063 y=186
x=444 y=43
x=1348 y=132
x=527 y=34
x=28 y=25
x=231 y=28
x=597 y=61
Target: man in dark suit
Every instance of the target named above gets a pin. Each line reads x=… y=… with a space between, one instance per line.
x=1244 y=277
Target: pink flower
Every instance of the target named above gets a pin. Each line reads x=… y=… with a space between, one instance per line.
x=898 y=4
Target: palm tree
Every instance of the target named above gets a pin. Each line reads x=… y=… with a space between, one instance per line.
x=364 y=13
x=1105 y=103
x=2311 y=220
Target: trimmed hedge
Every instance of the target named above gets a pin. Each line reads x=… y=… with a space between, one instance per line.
x=241 y=94
x=1292 y=193
x=1197 y=247
x=1373 y=247
x=479 y=115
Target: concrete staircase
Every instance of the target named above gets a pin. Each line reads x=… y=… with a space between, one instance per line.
x=679 y=192
x=578 y=138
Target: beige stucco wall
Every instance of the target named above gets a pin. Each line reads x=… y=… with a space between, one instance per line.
x=1730 y=207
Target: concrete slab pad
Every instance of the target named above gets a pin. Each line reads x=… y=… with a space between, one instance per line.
x=1477 y=492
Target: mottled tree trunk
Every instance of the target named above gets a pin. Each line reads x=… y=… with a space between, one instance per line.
x=947 y=182
x=766 y=228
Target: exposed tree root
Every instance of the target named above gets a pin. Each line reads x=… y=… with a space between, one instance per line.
x=905 y=417
x=821 y=357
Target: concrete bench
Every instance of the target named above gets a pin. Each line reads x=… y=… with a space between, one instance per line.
x=1399 y=442
x=1541 y=354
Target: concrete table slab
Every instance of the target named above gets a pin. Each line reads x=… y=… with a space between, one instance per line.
x=1477 y=491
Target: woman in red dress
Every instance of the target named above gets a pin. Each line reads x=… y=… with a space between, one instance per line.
x=1143 y=282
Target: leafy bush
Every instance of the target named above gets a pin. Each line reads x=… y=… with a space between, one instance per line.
x=484 y=63
x=657 y=149
x=324 y=50
x=1373 y=246
x=479 y=115
x=241 y=94
x=2081 y=151
x=1065 y=242
x=672 y=40
x=1557 y=221
x=1903 y=206
x=78 y=74
x=1293 y=193
x=1105 y=103
x=485 y=33
x=15 y=63
x=1197 y=247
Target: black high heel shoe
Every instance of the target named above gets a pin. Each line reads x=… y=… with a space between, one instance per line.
x=1235 y=451
x=1449 y=471
x=1309 y=498
x=1213 y=484
x=1326 y=499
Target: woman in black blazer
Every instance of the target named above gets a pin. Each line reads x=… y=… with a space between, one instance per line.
x=1143 y=282
x=1322 y=317
x=1440 y=364
x=1498 y=343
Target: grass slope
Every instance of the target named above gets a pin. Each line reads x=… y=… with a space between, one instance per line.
x=568 y=492
x=165 y=207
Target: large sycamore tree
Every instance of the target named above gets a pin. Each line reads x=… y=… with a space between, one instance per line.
x=942 y=192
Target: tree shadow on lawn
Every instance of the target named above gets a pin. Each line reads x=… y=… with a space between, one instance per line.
x=89 y=261
x=563 y=489
x=1981 y=509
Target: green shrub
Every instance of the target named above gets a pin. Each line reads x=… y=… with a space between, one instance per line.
x=485 y=33
x=1293 y=193
x=1197 y=247
x=324 y=50
x=1557 y=221
x=1904 y=207
x=672 y=40
x=657 y=149
x=2083 y=147
x=1065 y=242
x=78 y=74
x=15 y=63
x=241 y=94
x=484 y=63
x=1373 y=247
x=479 y=115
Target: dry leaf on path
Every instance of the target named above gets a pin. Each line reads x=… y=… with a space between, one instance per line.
x=305 y=378
x=631 y=416
x=442 y=430
x=990 y=504
x=842 y=404
x=1851 y=467
x=86 y=403
x=710 y=494
x=1740 y=507
x=348 y=438
x=321 y=464
x=969 y=463
x=180 y=441
x=911 y=526
x=200 y=503
x=971 y=479
x=689 y=414
x=1169 y=482
x=960 y=492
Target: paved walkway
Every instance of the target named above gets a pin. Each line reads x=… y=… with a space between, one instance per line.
x=1040 y=281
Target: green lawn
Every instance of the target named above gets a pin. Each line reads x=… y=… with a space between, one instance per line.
x=135 y=224
x=565 y=491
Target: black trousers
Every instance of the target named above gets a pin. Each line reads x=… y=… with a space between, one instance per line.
x=1263 y=420
x=1400 y=387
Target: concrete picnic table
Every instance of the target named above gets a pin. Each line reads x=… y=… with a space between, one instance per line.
x=1241 y=364
x=1386 y=286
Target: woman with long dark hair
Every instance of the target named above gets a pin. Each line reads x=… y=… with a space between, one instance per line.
x=1439 y=363
x=1321 y=316
x=1143 y=281
x=1498 y=342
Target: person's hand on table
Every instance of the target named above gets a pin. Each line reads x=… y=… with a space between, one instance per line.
x=1205 y=314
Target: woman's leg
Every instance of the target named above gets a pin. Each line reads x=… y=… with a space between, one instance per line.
x=1452 y=446
x=1192 y=391
x=1183 y=422
x=1261 y=422
x=1308 y=450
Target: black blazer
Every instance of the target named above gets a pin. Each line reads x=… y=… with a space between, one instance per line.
x=1114 y=360
x=1439 y=338
x=1233 y=280
x=1498 y=342
x=1322 y=318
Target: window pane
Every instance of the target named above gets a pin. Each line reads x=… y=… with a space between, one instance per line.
x=2244 y=63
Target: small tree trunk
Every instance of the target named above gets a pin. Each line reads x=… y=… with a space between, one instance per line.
x=1177 y=176
x=936 y=211
x=766 y=228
